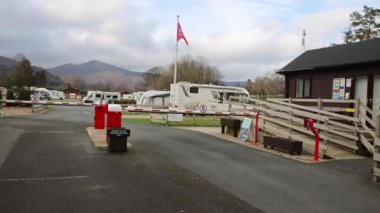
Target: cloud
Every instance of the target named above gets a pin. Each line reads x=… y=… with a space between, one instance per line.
x=52 y=31
x=242 y=38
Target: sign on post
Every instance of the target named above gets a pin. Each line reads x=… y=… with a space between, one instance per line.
x=175 y=117
x=244 y=129
x=34 y=98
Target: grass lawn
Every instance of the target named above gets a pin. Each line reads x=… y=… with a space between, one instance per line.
x=135 y=113
x=206 y=121
x=137 y=120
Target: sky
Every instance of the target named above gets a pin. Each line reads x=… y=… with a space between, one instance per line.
x=242 y=38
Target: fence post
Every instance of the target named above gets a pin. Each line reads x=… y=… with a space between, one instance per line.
x=325 y=132
x=357 y=106
x=357 y=116
x=377 y=130
x=3 y=94
x=194 y=124
x=376 y=153
x=290 y=120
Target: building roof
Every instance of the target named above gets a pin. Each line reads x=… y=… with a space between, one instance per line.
x=339 y=55
x=70 y=90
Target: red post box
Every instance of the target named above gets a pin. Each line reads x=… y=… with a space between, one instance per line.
x=100 y=113
x=114 y=116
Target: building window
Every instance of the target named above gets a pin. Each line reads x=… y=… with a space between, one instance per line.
x=303 y=88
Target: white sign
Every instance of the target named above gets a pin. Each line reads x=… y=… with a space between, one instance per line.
x=348 y=82
x=244 y=130
x=175 y=117
x=335 y=83
x=342 y=82
x=34 y=98
x=202 y=108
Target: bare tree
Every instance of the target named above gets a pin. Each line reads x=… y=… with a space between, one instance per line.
x=98 y=86
x=194 y=70
x=79 y=84
x=151 y=77
x=109 y=86
x=270 y=83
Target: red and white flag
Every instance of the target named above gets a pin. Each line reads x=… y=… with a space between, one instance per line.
x=180 y=34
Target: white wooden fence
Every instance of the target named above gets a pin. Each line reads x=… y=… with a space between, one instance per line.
x=345 y=124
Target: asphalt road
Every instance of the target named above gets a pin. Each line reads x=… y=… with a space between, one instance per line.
x=268 y=182
x=49 y=165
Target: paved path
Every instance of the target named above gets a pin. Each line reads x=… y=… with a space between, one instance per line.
x=51 y=166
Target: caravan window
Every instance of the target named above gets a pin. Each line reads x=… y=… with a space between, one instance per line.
x=215 y=94
x=108 y=96
x=98 y=95
x=193 y=89
x=114 y=97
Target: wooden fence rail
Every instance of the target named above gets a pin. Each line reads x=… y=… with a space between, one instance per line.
x=343 y=123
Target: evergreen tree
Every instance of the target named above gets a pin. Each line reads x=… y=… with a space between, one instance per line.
x=364 y=26
x=22 y=79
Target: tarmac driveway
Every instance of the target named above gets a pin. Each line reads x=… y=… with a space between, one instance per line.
x=269 y=182
x=48 y=164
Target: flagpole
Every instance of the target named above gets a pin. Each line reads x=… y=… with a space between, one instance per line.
x=176 y=54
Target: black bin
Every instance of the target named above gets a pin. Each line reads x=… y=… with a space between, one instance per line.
x=117 y=139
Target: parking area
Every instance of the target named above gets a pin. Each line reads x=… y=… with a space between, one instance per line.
x=49 y=164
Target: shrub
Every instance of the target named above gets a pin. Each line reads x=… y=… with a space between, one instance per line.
x=130 y=101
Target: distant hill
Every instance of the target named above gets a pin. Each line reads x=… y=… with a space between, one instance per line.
x=7 y=63
x=96 y=71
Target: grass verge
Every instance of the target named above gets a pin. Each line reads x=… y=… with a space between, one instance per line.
x=187 y=121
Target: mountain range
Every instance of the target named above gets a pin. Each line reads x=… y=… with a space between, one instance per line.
x=95 y=71
x=6 y=65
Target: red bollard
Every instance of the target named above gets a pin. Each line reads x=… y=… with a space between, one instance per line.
x=100 y=113
x=114 y=117
x=257 y=127
x=309 y=123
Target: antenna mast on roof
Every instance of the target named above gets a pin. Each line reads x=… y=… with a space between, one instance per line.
x=304 y=39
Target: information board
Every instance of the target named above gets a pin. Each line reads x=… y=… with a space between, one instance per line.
x=244 y=129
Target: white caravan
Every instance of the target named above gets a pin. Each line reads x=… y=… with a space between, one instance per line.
x=52 y=94
x=154 y=98
x=136 y=95
x=56 y=95
x=203 y=97
x=127 y=97
x=94 y=96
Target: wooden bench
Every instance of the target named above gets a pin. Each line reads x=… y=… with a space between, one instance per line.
x=231 y=123
x=283 y=144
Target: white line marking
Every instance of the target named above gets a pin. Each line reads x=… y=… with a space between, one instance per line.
x=42 y=179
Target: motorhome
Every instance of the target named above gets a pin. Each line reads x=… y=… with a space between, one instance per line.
x=94 y=96
x=154 y=98
x=203 y=97
x=127 y=97
x=44 y=93
x=136 y=95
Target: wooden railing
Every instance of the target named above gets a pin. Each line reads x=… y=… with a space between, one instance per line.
x=340 y=122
